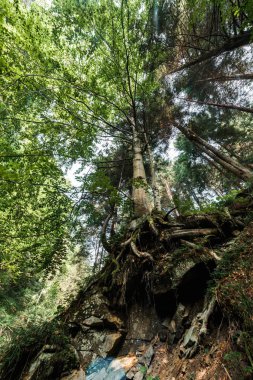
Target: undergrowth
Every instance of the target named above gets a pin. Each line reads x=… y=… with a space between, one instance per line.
x=233 y=285
x=26 y=341
x=27 y=315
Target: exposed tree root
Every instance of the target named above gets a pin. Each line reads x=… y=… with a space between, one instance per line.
x=201 y=249
x=189 y=233
x=138 y=253
x=125 y=243
x=198 y=330
x=152 y=226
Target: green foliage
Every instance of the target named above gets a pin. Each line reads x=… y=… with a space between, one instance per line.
x=144 y=370
x=29 y=340
x=232 y=284
x=235 y=361
x=221 y=203
x=73 y=77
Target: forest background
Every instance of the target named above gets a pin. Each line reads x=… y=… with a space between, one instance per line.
x=109 y=87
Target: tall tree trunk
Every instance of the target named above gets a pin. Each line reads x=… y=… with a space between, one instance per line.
x=170 y=195
x=219 y=105
x=226 y=162
x=231 y=44
x=224 y=78
x=141 y=202
x=155 y=189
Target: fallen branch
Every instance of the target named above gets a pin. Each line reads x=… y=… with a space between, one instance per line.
x=225 y=369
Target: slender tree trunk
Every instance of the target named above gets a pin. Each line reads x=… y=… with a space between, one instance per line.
x=231 y=44
x=212 y=163
x=224 y=78
x=155 y=189
x=170 y=196
x=141 y=202
x=226 y=162
x=237 y=172
x=195 y=197
x=220 y=105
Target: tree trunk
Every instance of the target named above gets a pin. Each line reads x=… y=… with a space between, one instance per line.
x=140 y=197
x=220 y=105
x=155 y=189
x=224 y=78
x=170 y=196
x=233 y=43
x=226 y=162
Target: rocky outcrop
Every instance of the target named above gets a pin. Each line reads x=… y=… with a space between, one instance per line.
x=115 y=342
x=148 y=319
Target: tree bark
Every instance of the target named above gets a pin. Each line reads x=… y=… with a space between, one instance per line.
x=155 y=189
x=170 y=196
x=141 y=202
x=226 y=162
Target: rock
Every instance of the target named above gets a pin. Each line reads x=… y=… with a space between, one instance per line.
x=51 y=361
x=93 y=322
x=147 y=356
x=127 y=362
x=143 y=323
x=138 y=376
x=130 y=374
x=102 y=343
x=110 y=344
x=94 y=304
x=181 y=269
x=114 y=320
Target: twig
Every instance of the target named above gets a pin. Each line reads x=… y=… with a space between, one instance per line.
x=230 y=378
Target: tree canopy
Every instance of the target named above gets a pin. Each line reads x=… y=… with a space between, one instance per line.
x=106 y=86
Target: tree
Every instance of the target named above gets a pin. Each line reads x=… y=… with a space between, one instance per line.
x=119 y=66
x=35 y=202
x=93 y=75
